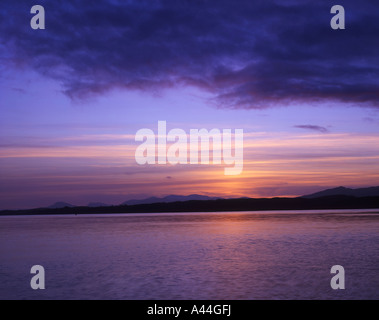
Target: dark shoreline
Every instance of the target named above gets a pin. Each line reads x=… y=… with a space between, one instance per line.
x=220 y=205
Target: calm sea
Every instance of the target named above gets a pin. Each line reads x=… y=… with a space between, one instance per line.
x=249 y=255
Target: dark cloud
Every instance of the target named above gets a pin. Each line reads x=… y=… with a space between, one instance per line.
x=312 y=127
x=249 y=54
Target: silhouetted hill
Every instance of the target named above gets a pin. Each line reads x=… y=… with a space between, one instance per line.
x=59 y=205
x=342 y=191
x=168 y=199
x=243 y=204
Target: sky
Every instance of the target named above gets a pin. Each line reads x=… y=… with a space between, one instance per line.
x=73 y=96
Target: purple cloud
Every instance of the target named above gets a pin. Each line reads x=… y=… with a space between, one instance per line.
x=249 y=54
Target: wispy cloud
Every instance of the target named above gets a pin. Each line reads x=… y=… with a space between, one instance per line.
x=275 y=164
x=312 y=127
x=249 y=54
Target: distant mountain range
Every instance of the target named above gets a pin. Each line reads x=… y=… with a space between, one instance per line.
x=168 y=199
x=59 y=205
x=336 y=198
x=220 y=205
x=342 y=191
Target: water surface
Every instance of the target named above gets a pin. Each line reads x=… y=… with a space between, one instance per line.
x=240 y=255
